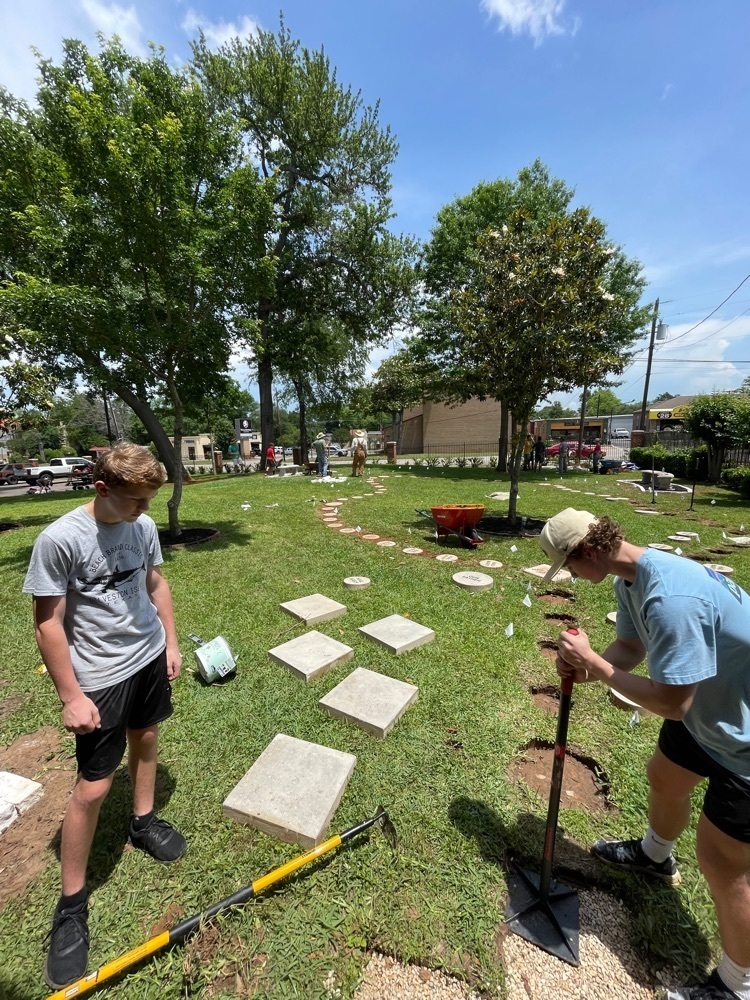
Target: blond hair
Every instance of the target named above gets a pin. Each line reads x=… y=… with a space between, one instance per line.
x=129 y=464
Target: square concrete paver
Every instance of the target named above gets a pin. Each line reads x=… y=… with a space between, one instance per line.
x=17 y=794
x=292 y=790
x=397 y=633
x=311 y=654
x=370 y=700
x=313 y=609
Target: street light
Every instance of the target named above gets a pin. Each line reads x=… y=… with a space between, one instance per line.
x=659 y=334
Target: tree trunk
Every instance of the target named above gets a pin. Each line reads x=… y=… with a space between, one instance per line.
x=584 y=398
x=502 y=453
x=173 y=504
x=303 y=442
x=516 y=458
x=155 y=430
x=715 y=462
x=265 y=392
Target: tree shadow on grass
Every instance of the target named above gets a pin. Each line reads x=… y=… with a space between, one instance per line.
x=664 y=930
x=111 y=835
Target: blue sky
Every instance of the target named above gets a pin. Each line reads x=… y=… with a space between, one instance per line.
x=641 y=105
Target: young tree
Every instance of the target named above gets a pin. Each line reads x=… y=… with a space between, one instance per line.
x=401 y=381
x=537 y=315
x=448 y=261
x=129 y=208
x=324 y=159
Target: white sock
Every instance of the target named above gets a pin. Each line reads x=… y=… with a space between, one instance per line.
x=655 y=847
x=734 y=976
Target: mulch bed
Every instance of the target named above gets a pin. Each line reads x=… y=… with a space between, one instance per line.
x=189 y=536
x=498 y=524
x=8 y=525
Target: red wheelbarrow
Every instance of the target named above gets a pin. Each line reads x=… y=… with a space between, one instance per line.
x=460 y=519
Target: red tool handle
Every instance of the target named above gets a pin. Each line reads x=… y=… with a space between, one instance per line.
x=566 y=684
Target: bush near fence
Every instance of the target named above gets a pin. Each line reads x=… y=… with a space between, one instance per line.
x=680 y=462
x=737 y=478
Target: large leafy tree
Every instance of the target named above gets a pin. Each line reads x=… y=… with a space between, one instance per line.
x=543 y=309
x=129 y=207
x=331 y=263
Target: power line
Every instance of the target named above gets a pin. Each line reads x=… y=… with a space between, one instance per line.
x=695 y=327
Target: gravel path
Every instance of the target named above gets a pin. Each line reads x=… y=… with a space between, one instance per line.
x=609 y=966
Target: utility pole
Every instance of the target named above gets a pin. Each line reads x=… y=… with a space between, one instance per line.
x=648 y=365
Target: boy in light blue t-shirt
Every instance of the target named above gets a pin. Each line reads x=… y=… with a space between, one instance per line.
x=694 y=626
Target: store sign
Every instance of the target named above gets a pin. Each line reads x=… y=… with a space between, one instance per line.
x=677 y=413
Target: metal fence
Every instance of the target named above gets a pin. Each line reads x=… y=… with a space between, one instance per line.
x=465 y=449
x=674 y=442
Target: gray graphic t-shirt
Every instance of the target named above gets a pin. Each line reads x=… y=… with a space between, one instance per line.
x=112 y=627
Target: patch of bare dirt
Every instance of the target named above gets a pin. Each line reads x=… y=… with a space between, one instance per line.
x=548 y=649
x=24 y=847
x=556 y=597
x=546 y=698
x=583 y=786
x=10 y=705
x=560 y=620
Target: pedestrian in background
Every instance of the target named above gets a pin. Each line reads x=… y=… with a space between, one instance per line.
x=540 y=453
x=359 y=451
x=320 y=453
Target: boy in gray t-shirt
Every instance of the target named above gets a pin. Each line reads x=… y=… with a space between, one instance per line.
x=105 y=628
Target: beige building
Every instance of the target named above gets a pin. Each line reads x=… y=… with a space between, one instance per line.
x=434 y=425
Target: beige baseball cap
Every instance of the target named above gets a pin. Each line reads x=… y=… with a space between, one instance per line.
x=562 y=533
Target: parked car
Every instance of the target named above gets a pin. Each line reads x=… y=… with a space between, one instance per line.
x=56 y=468
x=586 y=450
x=11 y=473
x=619 y=432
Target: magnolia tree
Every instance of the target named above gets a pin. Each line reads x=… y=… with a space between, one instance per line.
x=544 y=309
x=722 y=421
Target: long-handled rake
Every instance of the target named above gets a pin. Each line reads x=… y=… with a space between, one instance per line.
x=540 y=910
x=248 y=892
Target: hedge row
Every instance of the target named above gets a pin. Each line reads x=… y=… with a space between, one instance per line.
x=680 y=462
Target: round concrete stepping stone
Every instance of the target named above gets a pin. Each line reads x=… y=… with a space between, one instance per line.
x=661 y=546
x=347 y=531
x=335 y=524
x=411 y=550
x=646 y=510
x=490 y=564
x=680 y=538
x=342 y=499
x=368 y=494
x=739 y=540
x=620 y=701
x=386 y=544
x=473 y=581
x=687 y=534
x=446 y=557
x=371 y=538
x=356 y=582
x=720 y=568
x=357 y=497
x=612 y=617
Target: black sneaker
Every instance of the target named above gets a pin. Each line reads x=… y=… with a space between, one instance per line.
x=714 y=988
x=160 y=840
x=68 y=952
x=630 y=855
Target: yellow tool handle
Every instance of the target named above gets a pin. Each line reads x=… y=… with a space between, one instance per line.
x=111 y=969
x=291 y=866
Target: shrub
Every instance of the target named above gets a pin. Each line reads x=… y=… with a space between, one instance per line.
x=680 y=462
x=432 y=461
x=476 y=461
x=461 y=462
x=737 y=479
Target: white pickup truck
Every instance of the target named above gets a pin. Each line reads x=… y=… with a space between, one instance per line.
x=56 y=468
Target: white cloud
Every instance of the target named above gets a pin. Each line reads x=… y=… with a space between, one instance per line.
x=111 y=19
x=538 y=18
x=665 y=92
x=218 y=32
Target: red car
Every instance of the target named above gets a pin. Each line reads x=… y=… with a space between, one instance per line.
x=587 y=450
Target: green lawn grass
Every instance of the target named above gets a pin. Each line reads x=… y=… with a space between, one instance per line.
x=440 y=898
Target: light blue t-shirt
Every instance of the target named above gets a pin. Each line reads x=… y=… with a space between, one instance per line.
x=695 y=625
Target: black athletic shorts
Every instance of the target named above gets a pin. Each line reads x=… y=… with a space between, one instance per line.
x=727 y=799
x=138 y=702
